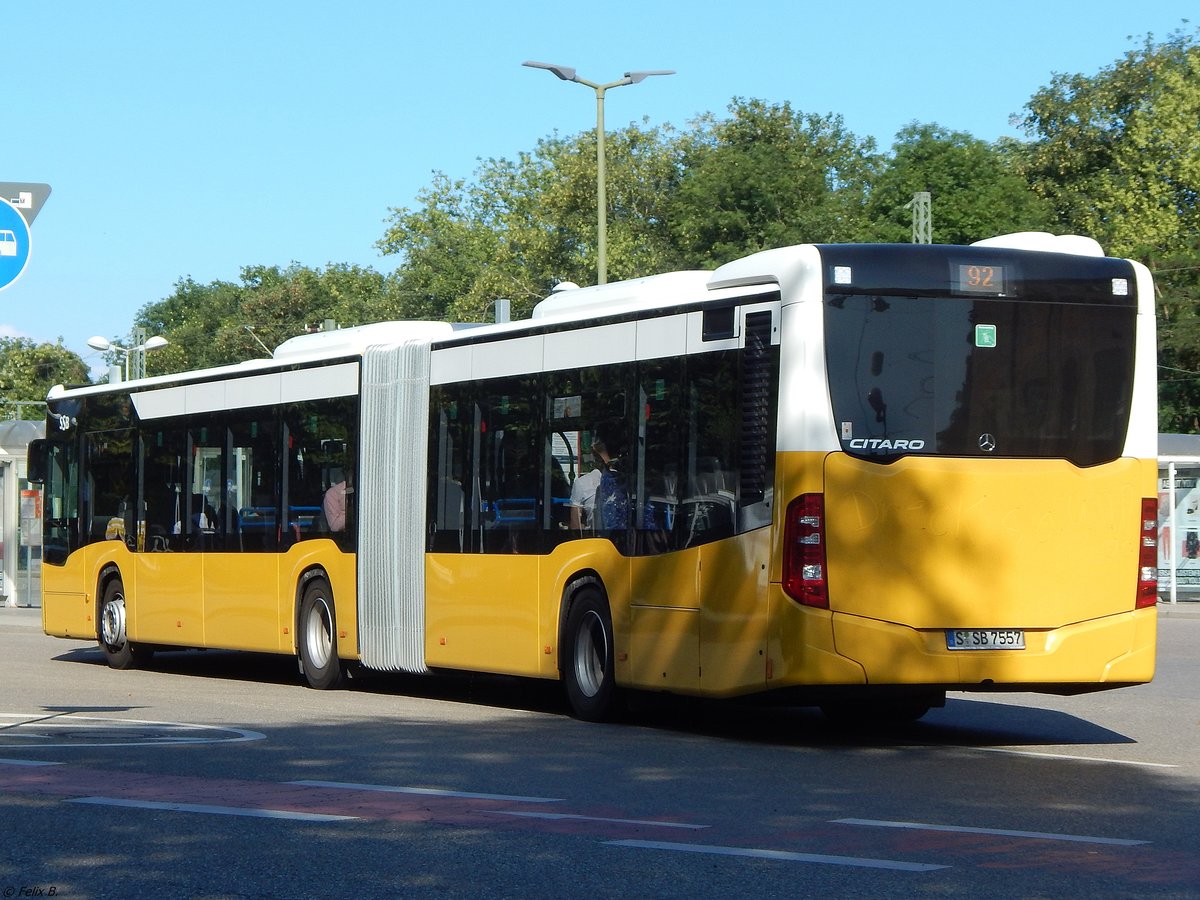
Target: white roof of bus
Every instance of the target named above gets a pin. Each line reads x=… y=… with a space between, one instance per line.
x=303 y=348
x=1046 y=242
x=571 y=302
x=353 y=341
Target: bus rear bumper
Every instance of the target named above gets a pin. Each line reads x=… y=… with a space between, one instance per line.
x=1104 y=652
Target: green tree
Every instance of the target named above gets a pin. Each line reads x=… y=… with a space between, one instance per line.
x=223 y=322
x=768 y=176
x=192 y=318
x=1177 y=278
x=1117 y=154
x=28 y=370
x=523 y=225
x=977 y=192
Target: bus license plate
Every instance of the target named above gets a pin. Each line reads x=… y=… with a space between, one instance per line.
x=985 y=639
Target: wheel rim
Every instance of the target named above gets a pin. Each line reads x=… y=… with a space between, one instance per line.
x=112 y=622
x=318 y=634
x=591 y=654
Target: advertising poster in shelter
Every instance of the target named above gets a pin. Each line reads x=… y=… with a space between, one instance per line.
x=1179 y=531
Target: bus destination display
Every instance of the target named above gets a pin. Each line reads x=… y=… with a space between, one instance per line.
x=979 y=278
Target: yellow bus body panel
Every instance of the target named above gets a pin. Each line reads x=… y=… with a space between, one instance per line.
x=597 y=559
x=341 y=569
x=242 y=601
x=481 y=612
x=928 y=544
x=164 y=599
x=664 y=648
x=801 y=649
x=233 y=601
x=69 y=596
x=957 y=543
x=734 y=613
x=664 y=622
x=1114 y=649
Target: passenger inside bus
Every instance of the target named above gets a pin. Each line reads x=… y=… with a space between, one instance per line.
x=333 y=506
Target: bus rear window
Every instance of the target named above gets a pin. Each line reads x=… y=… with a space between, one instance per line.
x=979 y=377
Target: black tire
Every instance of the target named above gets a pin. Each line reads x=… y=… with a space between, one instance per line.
x=316 y=637
x=120 y=652
x=587 y=662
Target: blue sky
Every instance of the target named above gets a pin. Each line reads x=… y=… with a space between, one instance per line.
x=191 y=139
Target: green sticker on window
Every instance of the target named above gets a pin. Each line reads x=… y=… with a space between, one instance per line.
x=985 y=335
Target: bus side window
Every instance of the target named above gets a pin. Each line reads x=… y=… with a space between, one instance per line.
x=709 y=510
x=660 y=453
x=321 y=458
x=163 y=476
x=108 y=491
x=449 y=435
x=508 y=467
x=246 y=510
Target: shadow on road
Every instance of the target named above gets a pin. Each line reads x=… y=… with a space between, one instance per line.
x=972 y=722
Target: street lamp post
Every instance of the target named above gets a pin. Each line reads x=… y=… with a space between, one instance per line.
x=135 y=354
x=566 y=73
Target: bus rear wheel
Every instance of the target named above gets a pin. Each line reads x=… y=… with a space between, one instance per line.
x=119 y=651
x=588 y=670
x=317 y=637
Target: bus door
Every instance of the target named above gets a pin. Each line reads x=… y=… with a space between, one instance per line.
x=173 y=525
x=664 y=617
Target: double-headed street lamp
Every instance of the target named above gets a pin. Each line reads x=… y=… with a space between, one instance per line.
x=566 y=73
x=136 y=353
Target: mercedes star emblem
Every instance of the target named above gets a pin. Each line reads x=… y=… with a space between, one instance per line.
x=987 y=442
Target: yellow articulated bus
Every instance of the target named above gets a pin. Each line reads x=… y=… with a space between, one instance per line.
x=856 y=476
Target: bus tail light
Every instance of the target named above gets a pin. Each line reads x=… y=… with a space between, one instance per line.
x=804 y=569
x=1147 y=589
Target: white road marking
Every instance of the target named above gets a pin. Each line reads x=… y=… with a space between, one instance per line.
x=46 y=731
x=1000 y=832
x=213 y=810
x=578 y=818
x=1095 y=759
x=428 y=792
x=27 y=762
x=783 y=855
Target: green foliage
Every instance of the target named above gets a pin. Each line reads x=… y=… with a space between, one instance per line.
x=1177 y=278
x=1117 y=154
x=28 y=370
x=222 y=322
x=976 y=190
x=767 y=177
x=522 y=226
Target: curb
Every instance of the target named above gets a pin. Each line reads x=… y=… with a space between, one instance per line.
x=21 y=616
x=1187 y=609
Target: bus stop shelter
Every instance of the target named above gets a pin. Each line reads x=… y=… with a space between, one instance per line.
x=1179 y=517
x=20 y=517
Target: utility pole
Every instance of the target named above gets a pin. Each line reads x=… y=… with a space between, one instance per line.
x=922 y=217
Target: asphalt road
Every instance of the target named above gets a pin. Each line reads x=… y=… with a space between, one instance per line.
x=217 y=775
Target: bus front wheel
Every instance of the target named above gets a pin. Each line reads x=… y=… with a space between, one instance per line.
x=318 y=637
x=588 y=670
x=119 y=651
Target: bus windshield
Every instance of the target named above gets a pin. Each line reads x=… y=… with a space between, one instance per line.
x=979 y=377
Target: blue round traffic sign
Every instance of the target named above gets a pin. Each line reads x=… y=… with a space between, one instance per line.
x=14 y=244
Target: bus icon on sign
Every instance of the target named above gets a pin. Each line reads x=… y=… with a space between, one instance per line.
x=8 y=243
